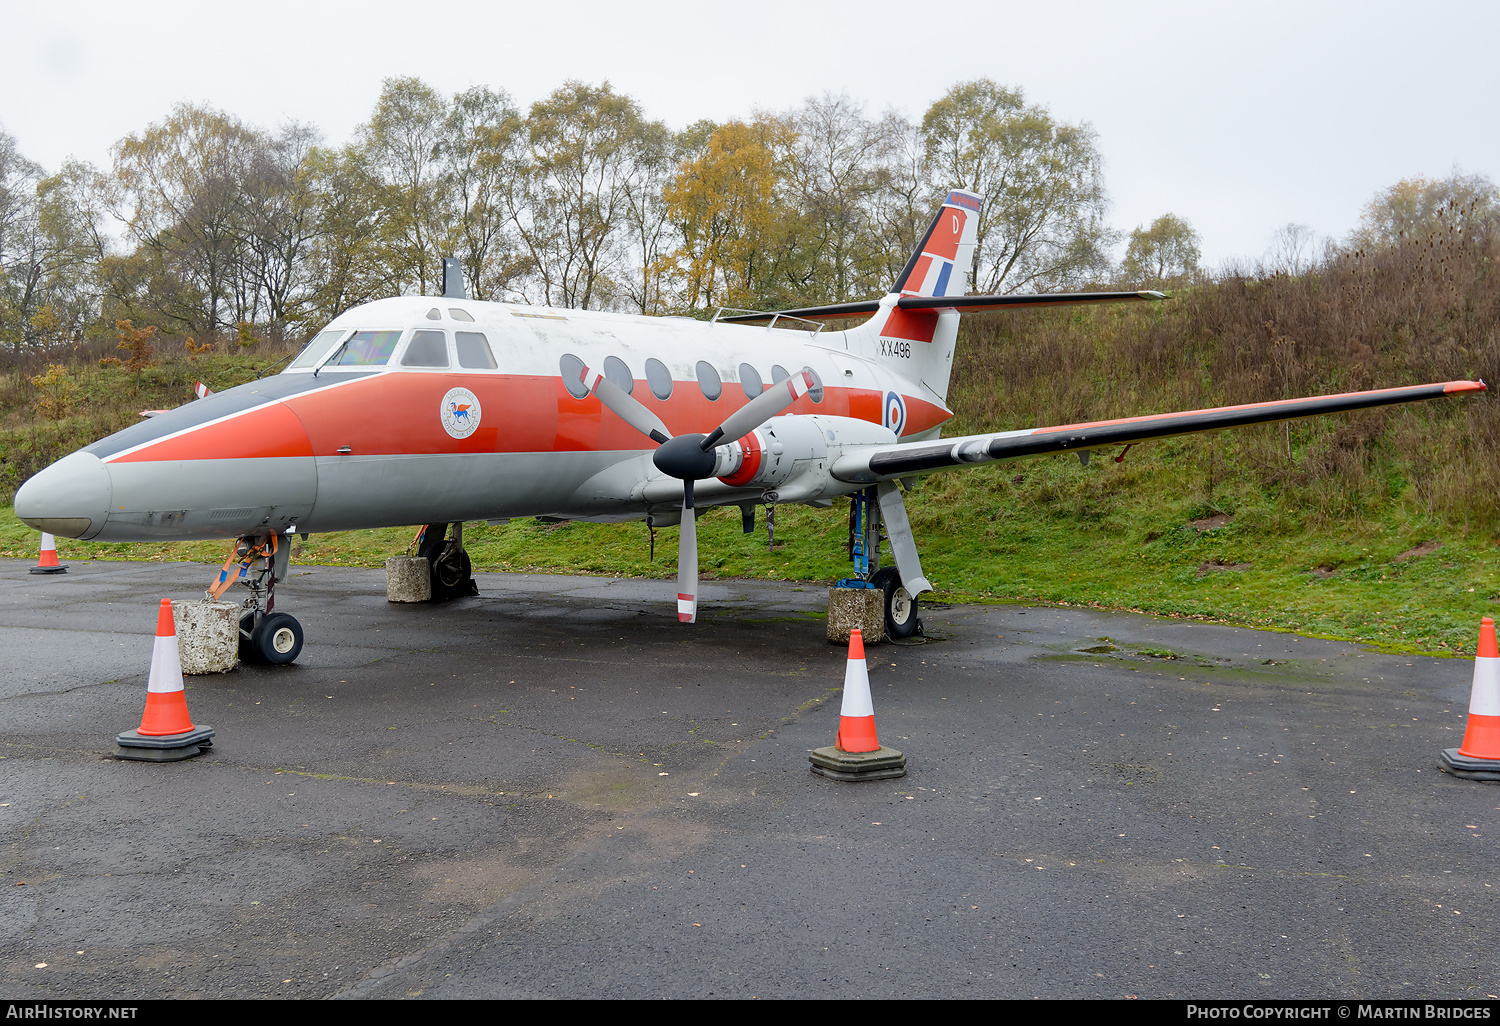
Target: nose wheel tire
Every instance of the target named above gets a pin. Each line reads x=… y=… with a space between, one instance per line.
x=276 y=640
x=900 y=605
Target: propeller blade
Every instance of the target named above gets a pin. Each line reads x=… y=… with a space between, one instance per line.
x=761 y=409
x=687 y=560
x=626 y=406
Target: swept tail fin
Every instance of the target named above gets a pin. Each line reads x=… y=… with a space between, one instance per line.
x=943 y=260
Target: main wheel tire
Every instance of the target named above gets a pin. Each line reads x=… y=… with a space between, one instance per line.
x=452 y=576
x=900 y=605
x=277 y=639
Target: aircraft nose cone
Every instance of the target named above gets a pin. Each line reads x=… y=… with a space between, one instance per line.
x=69 y=499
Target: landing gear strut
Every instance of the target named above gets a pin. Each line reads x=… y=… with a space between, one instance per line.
x=265 y=636
x=452 y=574
x=865 y=536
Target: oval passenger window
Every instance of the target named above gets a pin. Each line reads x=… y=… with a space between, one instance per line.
x=778 y=374
x=750 y=380
x=708 y=380
x=659 y=378
x=572 y=375
x=619 y=374
x=815 y=393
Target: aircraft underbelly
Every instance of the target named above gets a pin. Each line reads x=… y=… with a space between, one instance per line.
x=178 y=500
x=356 y=492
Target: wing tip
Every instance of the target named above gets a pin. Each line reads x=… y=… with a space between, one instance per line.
x=1466 y=386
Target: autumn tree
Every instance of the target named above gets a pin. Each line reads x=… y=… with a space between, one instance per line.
x=1042 y=181
x=482 y=156
x=836 y=175
x=731 y=212
x=278 y=227
x=1162 y=254
x=584 y=154
x=903 y=203
x=346 y=265
x=650 y=272
x=181 y=182
x=20 y=240
x=1414 y=207
x=402 y=145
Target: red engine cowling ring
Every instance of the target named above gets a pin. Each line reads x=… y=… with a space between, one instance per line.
x=753 y=451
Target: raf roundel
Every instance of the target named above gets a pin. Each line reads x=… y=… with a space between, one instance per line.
x=460 y=413
x=895 y=413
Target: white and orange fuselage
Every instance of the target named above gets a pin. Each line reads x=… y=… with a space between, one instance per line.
x=368 y=445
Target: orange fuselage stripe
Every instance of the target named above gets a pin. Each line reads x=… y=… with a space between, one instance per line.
x=400 y=414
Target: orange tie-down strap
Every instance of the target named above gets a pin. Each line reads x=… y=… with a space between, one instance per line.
x=225 y=579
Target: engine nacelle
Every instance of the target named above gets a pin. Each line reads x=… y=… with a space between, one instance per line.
x=793 y=446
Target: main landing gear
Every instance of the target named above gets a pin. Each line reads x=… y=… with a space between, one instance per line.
x=452 y=575
x=865 y=536
x=266 y=636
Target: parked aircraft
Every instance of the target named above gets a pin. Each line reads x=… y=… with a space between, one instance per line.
x=419 y=410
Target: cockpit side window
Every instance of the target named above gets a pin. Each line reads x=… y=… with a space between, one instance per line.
x=426 y=349
x=316 y=349
x=474 y=350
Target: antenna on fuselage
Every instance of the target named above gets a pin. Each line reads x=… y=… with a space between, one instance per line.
x=453 y=279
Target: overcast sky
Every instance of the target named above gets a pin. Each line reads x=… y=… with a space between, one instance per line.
x=1240 y=117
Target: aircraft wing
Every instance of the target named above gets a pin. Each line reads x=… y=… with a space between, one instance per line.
x=886 y=462
x=962 y=304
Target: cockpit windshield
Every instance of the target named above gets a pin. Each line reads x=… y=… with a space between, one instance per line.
x=316 y=350
x=362 y=349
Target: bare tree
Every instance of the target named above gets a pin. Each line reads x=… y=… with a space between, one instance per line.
x=1294 y=250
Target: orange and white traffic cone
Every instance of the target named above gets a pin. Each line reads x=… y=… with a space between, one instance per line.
x=166 y=733
x=857 y=717
x=47 y=562
x=856 y=753
x=1478 y=758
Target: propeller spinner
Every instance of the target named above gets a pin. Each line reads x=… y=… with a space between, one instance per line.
x=691 y=457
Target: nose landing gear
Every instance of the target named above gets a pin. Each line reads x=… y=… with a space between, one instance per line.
x=265 y=635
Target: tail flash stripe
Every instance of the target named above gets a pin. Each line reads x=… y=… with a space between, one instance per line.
x=913 y=282
x=941 y=289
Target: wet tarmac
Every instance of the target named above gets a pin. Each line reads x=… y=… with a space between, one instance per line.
x=556 y=790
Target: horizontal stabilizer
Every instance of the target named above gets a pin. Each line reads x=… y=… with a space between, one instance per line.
x=887 y=462
x=962 y=304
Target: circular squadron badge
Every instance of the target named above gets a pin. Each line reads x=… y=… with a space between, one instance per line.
x=460 y=413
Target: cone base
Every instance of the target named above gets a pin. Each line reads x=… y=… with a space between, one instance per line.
x=159 y=754
x=48 y=570
x=1469 y=768
x=200 y=736
x=882 y=764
